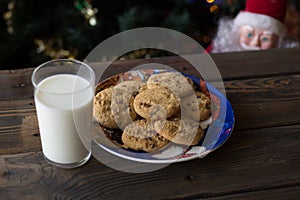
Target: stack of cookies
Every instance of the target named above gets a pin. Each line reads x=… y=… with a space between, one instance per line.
x=167 y=108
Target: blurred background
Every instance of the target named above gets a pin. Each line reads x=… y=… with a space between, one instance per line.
x=32 y=32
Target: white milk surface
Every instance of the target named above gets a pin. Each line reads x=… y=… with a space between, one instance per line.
x=64 y=109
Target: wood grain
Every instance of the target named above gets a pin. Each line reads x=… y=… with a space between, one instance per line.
x=274 y=194
x=258 y=63
x=257 y=103
x=16 y=84
x=18 y=127
x=231 y=170
x=260 y=160
x=264 y=102
x=232 y=66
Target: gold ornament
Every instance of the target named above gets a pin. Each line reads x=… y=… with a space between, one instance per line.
x=53 y=48
x=7 y=16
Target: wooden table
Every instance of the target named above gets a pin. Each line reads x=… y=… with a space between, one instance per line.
x=260 y=160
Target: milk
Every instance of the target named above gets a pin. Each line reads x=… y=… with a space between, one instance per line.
x=64 y=109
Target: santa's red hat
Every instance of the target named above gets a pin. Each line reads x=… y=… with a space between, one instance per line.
x=264 y=14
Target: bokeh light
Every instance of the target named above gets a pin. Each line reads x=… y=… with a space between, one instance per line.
x=214 y=9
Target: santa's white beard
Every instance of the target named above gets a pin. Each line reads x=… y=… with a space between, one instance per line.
x=227 y=39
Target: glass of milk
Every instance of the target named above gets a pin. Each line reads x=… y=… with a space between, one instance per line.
x=63 y=94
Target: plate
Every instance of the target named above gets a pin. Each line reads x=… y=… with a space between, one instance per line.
x=219 y=126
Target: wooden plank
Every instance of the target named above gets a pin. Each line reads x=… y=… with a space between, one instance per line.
x=251 y=160
x=16 y=84
x=258 y=63
x=233 y=65
x=274 y=194
x=237 y=65
x=18 y=127
x=257 y=103
x=265 y=102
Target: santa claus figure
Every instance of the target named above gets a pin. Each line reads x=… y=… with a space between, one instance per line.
x=258 y=27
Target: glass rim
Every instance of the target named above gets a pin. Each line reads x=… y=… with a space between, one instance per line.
x=62 y=60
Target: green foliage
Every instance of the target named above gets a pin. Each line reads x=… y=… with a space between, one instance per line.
x=61 y=25
x=43 y=20
x=232 y=7
x=149 y=15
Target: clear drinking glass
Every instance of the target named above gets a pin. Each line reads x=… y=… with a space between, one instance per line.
x=63 y=94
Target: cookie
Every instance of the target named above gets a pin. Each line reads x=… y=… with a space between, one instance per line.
x=204 y=106
x=141 y=136
x=102 y=108
x=143 y=87
x=129 y=87
x=144 y=103
x=186 y=132
x=196 y=107
x=122 y=102
x=180 y=85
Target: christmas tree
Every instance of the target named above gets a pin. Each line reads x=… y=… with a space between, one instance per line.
x=32 y=32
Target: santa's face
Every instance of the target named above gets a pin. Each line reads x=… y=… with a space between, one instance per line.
x=255 y=39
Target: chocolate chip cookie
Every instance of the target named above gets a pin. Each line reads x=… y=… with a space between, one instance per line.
x=180 y=85
x=122 y=102
x=141 y=136
x=102 y=108
x=145 y=101
x=186 y=132
x=196 y=107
